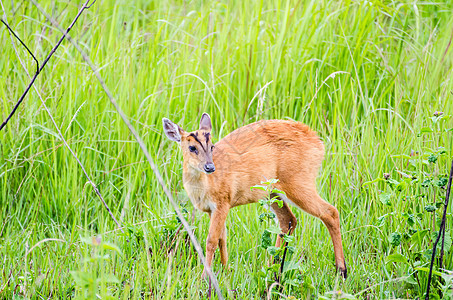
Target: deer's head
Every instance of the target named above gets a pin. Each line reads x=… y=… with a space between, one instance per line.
x=196 y=146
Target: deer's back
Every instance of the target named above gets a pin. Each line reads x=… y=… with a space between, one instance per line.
x=263 y=150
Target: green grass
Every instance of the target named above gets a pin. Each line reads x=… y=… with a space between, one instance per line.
x=366 y=75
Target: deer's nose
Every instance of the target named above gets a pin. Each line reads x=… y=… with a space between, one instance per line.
x=209 y=167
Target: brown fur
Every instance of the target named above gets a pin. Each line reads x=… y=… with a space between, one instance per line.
x=287 y=150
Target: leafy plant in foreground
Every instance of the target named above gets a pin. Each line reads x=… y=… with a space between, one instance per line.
x=420 y=190
x=285 y=272
x=93 y=278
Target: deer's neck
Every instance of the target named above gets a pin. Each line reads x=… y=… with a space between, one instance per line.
x=197 y=186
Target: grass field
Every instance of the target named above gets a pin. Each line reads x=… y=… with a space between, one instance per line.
x=368 y=76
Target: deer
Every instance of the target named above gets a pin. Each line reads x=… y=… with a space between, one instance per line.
x=218 y=177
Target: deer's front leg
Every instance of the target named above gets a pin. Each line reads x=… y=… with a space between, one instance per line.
x=216 y=229
x=223 y=247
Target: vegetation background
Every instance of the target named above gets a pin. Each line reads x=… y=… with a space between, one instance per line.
x=368 y=76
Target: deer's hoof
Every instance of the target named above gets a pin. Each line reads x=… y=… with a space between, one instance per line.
x=343 y=270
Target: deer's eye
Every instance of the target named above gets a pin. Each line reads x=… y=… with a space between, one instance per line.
x=212 y=148
x=193 y=149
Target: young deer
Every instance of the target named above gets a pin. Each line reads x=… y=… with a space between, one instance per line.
x=219 y=177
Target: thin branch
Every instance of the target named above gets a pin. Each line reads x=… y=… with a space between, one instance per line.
x=284 y=254
x=55 y=124
x=23 y=44
x=441 y=232
x=145 y=151
x=43 y=64
x=89 y=6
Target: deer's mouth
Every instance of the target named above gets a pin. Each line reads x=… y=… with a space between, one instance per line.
x=209 y=168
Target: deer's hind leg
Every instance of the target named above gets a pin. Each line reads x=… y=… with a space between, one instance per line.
x=305 y=196
x=285 y=217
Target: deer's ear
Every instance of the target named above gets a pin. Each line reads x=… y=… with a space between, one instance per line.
x=205 y=122
x=172 y=130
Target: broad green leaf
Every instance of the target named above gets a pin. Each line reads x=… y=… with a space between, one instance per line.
x=274 y=268
x=272 y=250
x=385 y=198
x=425 y=129
x=270 y=181
x=410 y=280
x=274 y=229
x=432 y=158
x=288 y=238
x=395 y=239
x=110 y=246
x=441 y=182
x=447 y=241
x=266 y=240
x=259 y=187
x=291 y=249
x=266 y=216
x=430 y=208
x=279 y=202
x=411 y=220
x=392 y=182
x=396 y=257
x=291 y=265
x=402 y=185
x=277 y=191
x=426 y=183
